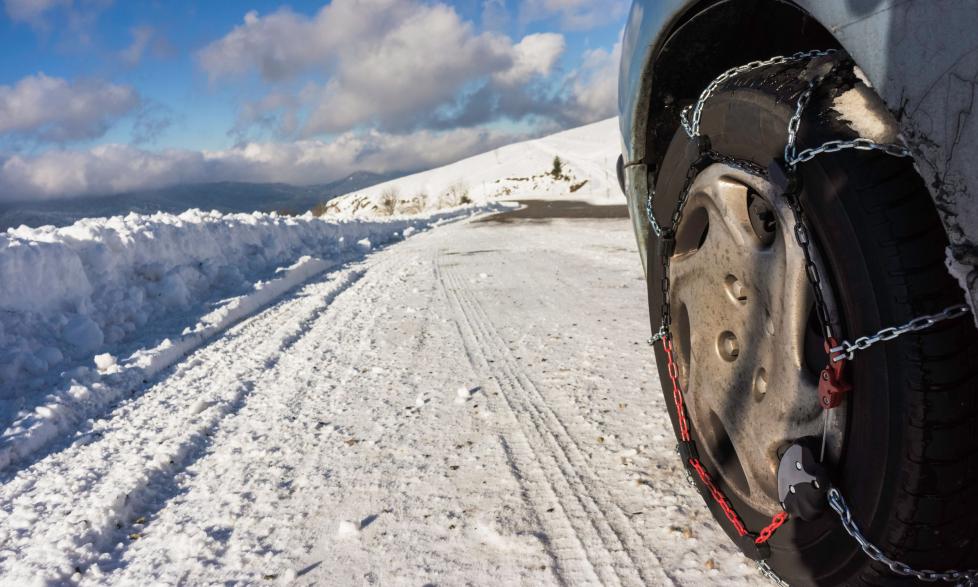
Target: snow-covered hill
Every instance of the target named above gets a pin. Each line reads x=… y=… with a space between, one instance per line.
x=521 y=170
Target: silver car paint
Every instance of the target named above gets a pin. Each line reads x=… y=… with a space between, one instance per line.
x=920 y=55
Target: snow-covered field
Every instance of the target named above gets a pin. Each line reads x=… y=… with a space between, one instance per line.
x=253 y=399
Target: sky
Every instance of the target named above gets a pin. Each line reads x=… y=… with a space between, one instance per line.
x=109 y=96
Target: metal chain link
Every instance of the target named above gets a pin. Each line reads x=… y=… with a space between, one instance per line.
x=766 y=570
x=847 y=350
x=792 y=197
x=791 y=155
x=860 y=144
x=714 y=157
x=804 y=240
x=692 y=128
x=838 y=503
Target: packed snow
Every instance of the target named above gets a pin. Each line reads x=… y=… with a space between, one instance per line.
x=257 y=399
x=90 y=309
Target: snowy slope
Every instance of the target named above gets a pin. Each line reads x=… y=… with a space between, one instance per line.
x=520 y=170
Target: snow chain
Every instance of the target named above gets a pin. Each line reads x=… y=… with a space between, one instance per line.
x=832 y=385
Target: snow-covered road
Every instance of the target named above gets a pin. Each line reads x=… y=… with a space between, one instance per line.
x=474 y=405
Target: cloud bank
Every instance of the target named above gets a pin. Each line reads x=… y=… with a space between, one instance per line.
x=53 y=109
x=120 y=168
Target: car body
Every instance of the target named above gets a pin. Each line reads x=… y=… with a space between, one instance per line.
x=921 y=56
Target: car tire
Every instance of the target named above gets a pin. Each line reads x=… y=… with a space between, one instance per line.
x=909 y=464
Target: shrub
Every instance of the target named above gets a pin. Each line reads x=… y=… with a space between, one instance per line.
x=455 y=195
x=415 y=205
x=323 y=208
x=388 y=201
x=578 y=186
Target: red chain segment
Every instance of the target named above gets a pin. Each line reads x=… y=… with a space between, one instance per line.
x=677 y=394
x=719 y=497
x=776 y=522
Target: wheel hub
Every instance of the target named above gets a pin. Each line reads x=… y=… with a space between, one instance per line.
x=742 y=305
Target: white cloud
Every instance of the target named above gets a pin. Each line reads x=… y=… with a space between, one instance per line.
x=575 y=14
x=534 y=55
x=141 y=36
x=54 y=109
x=386 y=63
x=32 y=11
x=118 y=168
x=79 y=16
x=283 y=43
x=495 y=17
x=594 y=86
x=419 y=64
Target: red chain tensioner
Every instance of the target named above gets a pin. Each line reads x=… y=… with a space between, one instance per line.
x=754 y=546
x=831 y=383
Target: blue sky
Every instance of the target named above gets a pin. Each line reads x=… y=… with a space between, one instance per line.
x=99 y=96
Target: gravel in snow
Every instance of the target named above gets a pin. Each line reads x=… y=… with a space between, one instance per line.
x=321 y=440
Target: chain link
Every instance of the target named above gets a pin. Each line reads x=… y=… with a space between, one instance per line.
x=791 y=155
x=692 y=127
x=804 y=240
x=846 y=350
x=712 y=157
x=838 y=504
x=768 y=572
x=859 y=144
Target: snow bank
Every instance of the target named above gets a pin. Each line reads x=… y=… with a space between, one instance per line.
x=150 y=288
x=521 y=170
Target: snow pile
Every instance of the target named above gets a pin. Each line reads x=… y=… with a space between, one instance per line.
x=523 y=170
x=150 y=288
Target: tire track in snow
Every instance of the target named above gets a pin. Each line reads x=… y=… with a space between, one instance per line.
x=616 y=531
x=282 y=409
x=573 y=562
x=134 y=471
x=580 y=526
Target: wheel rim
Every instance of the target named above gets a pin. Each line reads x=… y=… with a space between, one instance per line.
x=742 y=308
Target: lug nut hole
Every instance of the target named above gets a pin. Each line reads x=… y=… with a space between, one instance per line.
x=762 y=219
x=760 y=384
x=736 y=289
x=728 y=347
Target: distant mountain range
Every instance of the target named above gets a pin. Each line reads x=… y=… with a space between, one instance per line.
x=222 y=196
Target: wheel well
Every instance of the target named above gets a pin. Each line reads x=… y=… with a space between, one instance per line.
x=712 y=37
